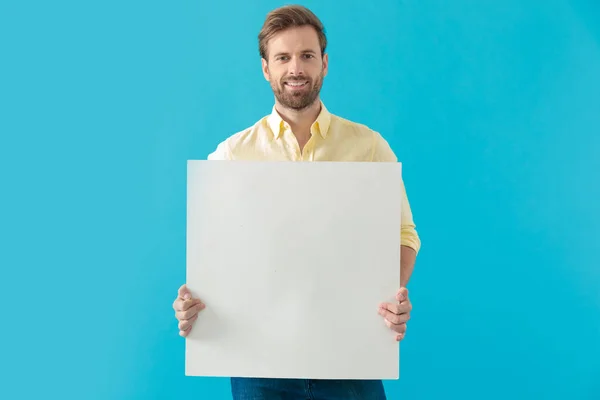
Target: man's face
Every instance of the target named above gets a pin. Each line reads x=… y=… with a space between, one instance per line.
x=295 y=68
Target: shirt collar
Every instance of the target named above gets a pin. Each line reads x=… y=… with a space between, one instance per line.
x=320 y=126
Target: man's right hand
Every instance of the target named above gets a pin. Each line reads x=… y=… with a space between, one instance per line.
x=186 y=310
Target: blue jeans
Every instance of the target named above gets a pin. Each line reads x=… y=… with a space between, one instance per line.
x=306 y=389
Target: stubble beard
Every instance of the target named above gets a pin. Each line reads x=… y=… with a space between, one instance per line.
x=300 y=100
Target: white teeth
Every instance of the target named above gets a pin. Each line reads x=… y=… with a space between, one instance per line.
x=296 y=83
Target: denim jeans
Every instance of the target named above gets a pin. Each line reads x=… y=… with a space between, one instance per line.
x=306 y=389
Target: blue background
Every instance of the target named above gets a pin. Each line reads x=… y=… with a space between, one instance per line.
x=492 y=106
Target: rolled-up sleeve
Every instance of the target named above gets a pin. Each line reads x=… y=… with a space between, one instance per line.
x=382 y=152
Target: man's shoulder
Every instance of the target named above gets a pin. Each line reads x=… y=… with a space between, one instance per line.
x=228 y=146
x=361 y=134
x=257 y=128
x=357 y=129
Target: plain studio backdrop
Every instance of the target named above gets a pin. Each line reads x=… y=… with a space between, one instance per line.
x=493 y=107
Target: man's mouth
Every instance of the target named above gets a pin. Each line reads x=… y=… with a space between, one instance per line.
x=296 y=84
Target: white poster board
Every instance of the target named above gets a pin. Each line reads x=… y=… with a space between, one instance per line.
x=292 y=260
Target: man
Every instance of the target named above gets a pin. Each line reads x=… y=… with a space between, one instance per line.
x=292 y=47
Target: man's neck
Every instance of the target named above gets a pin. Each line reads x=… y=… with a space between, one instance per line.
x=300 y=121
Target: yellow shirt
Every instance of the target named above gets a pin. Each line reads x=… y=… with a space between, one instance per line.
x=332 y=139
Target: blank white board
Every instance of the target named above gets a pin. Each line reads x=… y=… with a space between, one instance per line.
x=292 y=260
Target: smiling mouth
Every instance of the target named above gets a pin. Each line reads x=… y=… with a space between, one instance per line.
x=296 y=84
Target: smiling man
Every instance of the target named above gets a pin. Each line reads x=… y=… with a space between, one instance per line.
x=292 y=46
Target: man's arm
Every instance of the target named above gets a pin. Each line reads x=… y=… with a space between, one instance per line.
x=409 y=238
x=222 y=152
x=409 y=241
x=397 y=314
x=408 y=256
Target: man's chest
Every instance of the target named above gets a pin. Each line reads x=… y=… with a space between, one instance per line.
x=316 y=149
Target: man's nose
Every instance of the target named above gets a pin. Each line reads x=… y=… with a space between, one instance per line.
x=296 y=67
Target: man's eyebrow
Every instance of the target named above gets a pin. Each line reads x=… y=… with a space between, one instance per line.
x=282 y=53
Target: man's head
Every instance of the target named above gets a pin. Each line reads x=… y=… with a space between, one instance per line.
x=292 y=46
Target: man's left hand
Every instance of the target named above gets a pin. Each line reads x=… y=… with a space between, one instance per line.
x=397 y=314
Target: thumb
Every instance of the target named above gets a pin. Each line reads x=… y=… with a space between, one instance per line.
x=402 y=294
x=183 y=293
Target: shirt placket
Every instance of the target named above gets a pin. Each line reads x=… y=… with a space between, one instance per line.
x=292 y=147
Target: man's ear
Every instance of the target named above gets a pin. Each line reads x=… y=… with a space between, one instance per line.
x=265 y=69
x=325 y=64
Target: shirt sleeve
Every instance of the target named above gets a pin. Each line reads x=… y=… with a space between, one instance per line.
x=222 y=152
x=382 y=152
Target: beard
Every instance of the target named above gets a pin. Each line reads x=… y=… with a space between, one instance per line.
x=297 y=99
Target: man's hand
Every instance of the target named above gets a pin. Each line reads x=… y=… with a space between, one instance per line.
x=396 y=314
x=186 y=310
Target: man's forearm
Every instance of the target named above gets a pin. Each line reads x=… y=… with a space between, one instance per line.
x=407 y=264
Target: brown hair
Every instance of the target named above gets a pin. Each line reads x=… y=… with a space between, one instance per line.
x=286 y=17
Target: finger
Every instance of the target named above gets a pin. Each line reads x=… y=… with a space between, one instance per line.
x=186 y=323
x=398 y=328
x=190 y=312
x=183 y=292
x=396 y=308
x=402 y=294
x=394 y=319
x=186 y=332
x=183 y=305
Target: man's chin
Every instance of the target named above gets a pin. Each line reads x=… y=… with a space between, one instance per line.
x=298 y=105
x=295 y=101
x=295 y=93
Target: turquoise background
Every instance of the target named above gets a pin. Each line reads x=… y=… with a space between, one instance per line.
x=492 y=106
